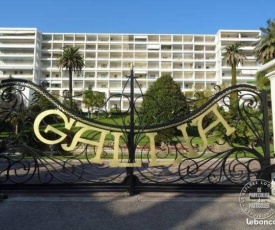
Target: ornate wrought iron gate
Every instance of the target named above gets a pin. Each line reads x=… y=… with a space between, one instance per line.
x=45 y=144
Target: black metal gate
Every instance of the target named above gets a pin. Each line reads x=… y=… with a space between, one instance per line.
x=44 y=144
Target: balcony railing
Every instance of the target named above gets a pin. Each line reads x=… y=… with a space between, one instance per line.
x=23 y=45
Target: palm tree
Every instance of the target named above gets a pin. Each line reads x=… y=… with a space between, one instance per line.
x=265 y=52
x=262 y=82
x=89 y=100
x=265 y=46
x=72 y=60
x=233 y=57
x=99 y=102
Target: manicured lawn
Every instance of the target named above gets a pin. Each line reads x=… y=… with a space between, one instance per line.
x=122 y=120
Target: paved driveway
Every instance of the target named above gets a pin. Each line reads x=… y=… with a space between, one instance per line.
x=113 y=211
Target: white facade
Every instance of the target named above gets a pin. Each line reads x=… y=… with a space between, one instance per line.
x=194 y=61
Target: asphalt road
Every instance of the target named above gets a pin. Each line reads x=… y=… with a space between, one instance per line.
x=113 y=211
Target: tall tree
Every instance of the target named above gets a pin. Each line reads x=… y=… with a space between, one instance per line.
x=72 y=60
x=265 y=52
x=88 y=100
x=265 y=46
x=93 y=99
x=233 y=57
x=99 y=101
x=262 y=82
x=163 y=101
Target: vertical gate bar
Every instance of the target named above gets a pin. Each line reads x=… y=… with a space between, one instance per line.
x=266 y=161
x=131 y=134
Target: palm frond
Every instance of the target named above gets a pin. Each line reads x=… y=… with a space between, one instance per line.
x=234 y=54
x=265 y=47
x=71 y=58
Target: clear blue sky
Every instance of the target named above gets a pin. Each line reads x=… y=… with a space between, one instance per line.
x=140 y=16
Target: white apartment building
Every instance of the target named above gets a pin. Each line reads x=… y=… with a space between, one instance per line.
x=195 y=61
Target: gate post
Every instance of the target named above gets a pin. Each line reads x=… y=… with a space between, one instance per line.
x=131 y=134
x=269 y=69
x=266 y=162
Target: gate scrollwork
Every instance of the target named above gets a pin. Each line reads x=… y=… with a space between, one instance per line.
x=43 y=141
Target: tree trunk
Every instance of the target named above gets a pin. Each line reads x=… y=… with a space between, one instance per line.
x=16 y=129
x=92 y=111
x=89 y=112
x=234 y=74
x=71 y=87
x=234 y=95
x=97 y=114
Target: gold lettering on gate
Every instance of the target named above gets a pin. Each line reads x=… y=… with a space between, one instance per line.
x=116 y=161
x=203 y=131
x=77 y=137
x=153 y=152
x=187 y=141
x=41 y=116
